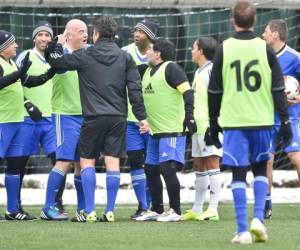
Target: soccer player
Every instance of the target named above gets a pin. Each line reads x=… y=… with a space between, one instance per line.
x=136 y=142
x=169 y=102
x=67 y=118
x=11 y=118
x=246 y=83
x=206 y=155
x=105 y=74
x=37 y=130
x=275 y=35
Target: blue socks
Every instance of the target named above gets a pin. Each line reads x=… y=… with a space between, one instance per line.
x=55 y=180
x=260 y=189
x=79 y=192
x=112 y=186
x=240 y=204
x=12 y=184
x=138 y=179
x=88 y=179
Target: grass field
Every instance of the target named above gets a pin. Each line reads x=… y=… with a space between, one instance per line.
x=125 y=234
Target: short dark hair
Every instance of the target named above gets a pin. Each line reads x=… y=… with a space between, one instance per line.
x=166 y=49
x=208 y=46
x=280 y=26
x=244 y=14
x=106 y=26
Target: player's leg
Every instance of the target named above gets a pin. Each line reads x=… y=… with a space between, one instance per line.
x=171 y=158
x=259 y=153
x=268 y=203
x=236 y=157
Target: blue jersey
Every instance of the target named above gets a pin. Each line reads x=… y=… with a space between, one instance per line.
x=289 y=60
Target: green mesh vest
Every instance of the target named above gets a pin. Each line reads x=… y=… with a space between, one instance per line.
x=247 y=98
x=40 y=95
x=164 y=104
x=65 y=96
x=11 y=97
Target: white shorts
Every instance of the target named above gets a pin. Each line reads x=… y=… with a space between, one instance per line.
x=200 y=149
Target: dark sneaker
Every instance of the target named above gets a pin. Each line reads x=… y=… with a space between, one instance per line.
x=138 y=213
x=61 y=207
x=52 y=213
x=268 y=214
x=79 y=217
x=19 y=215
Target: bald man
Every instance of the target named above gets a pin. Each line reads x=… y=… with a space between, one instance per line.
x=67 y=118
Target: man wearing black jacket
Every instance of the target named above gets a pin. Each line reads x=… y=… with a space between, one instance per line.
x=105 y=73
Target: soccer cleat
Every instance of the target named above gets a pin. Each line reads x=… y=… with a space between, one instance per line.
x=52 y=213
x=170 y=216
x=108 y=217
x=91 y=217
x=208 y=215
x=268 y=209
x=190 y=215
x=19 y=215
x=242 y=238
x=148 y=216
x=259 y=231
x=80 y=216
x=138 y=213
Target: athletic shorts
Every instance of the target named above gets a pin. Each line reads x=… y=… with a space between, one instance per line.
x=103 y=134
x=244 y=146
x=10 y=139
x=295 y=143
x=200 y=149
x=67 y=131
x=134 y=139
x=36 y=134
x=165 y=149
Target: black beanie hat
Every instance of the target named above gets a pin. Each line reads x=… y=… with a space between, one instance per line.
x=42 y=26
x=149 y=26
x=6 y=39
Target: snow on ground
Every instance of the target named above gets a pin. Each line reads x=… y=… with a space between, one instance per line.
x=126 y=196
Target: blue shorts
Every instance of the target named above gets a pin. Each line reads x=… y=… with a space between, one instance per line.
x=295 y=143
x=10 y=139
x=165 y=149
x=36 y=134
x=244 y=146
x=67 y=130
x=135 y=140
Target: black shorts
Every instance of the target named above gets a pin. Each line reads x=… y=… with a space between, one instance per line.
x=102 y=134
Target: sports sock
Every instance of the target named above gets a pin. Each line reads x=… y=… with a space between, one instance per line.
x=240 y=205
x=12 y=184
x=112 y=187
x=260 y=189
x=138 y=179
x=201 y=185
x=79 y=192
x=88 y=180
x=215 y=185
x=268 y=204
x=55 y=179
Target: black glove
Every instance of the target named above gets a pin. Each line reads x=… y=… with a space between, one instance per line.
x=207 y=138
x=54 y=50
x=215 y=129
x=33 y=111
x=26 y=63
x=189 y=123
x=285 y=133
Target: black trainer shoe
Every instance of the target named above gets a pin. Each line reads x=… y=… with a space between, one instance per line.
x=268 y=213
x=60 y=206
x=138 y=213
x=19 y=215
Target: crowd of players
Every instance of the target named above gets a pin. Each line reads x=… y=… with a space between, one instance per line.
x=71 y=98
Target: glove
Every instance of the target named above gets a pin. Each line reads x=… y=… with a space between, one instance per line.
x=26 y=63
x=33 y=111
x=215 y=129
x=285 y=133
x=190 y=123
x=207 y=138
x=53 y=50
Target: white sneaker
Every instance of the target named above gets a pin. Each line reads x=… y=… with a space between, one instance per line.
x=242 y=238
x=169 y=216
x=259 y=231
x=148 y=216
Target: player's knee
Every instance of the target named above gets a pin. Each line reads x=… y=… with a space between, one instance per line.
x=239 y=174
x=152 y=171
x=168 y=169
x=136 y=159
x=259 y=169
